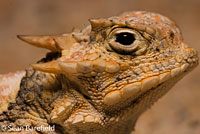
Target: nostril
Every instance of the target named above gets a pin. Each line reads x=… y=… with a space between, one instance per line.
x=171 y=36
x=157 y=49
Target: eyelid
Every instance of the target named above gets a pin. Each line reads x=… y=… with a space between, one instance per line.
x=124 y=31
x=121 y=30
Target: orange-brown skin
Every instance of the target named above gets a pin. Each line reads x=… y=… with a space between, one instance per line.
x=101 y=79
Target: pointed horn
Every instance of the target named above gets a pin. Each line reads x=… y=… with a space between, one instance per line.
x=97 y=23
x=53 y=43
x=49 y=67
x=65 y=41
x=67 y=67
x=40 y=41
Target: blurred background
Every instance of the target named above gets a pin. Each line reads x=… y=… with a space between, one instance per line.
x=178 y=112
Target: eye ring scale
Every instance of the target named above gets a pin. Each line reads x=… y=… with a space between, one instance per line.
x=124 y=40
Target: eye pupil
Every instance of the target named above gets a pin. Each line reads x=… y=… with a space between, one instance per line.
x=125 y=38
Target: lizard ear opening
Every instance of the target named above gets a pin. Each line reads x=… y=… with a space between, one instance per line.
x=53 y=43
x=49 y=67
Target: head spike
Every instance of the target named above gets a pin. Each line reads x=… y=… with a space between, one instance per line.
x=65 y=41
x=40 y=41
x=53 y=43
x=97 y=23
x=49 y=67
x=68 y=67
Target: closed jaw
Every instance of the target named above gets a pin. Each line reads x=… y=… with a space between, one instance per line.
x=135 y=88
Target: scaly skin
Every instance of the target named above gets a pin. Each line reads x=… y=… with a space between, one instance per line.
x=102 y=78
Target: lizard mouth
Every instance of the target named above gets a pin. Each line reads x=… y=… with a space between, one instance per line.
x=132 y=90
x=144 y=99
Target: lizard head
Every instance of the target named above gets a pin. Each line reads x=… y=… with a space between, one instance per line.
x=116 y=61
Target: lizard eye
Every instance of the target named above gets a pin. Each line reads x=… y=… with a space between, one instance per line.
x=125 y=40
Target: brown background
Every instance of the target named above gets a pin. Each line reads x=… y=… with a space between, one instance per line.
x=176 y=113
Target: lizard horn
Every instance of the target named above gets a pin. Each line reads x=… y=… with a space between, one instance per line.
x=53 y=43
x=49 y=67
x=97 y=23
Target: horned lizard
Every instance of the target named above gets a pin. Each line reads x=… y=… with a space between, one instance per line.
x=97 y=80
